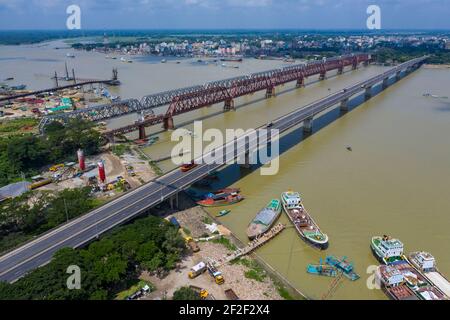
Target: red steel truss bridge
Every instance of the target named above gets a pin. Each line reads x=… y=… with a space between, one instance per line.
x=184 y=100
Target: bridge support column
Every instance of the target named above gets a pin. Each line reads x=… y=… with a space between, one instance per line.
x=247 y=164
x=368 y=93
x=366 y=63
x=354 y=66
x=385 y=83
x=340 y=70
x=142 y=134
x=229 y=105
x=323 y=76
x=344 y=105
x=308 y=125
x=168 y=123
x=300 y=83
x=398 y=75
x=173 y=201
x=270 y=92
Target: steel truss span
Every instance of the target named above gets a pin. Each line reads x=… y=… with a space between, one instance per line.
x=187 y=99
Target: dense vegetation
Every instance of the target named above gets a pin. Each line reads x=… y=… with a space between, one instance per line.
x=108 y=266
x=34 y=213
x=28 y=153
x=388 y=54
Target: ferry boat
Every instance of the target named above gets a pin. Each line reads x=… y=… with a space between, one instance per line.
x=70 y=55
x=229 y=200
x=264 y=220
x=387 y=250
x=126 y=60
x=305 y=225
x=426 y=264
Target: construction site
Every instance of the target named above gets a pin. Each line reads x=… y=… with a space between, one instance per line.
x=217 y=266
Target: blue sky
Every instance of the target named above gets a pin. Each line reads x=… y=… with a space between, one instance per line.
x=224 y=14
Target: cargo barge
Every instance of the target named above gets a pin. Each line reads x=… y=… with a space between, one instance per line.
x=305 y=225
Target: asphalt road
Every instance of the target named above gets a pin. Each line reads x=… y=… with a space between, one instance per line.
x=84 y=229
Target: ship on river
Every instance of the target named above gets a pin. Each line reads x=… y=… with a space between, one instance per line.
x=426 y=264
x=387 y=250
x=305 y=225
x=264 y=220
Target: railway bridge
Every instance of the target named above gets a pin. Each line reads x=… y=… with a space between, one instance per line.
x=184 y=100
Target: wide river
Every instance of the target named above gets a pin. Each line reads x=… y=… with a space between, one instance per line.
x=396 y=180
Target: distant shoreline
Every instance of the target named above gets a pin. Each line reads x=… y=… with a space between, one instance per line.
x=437 y=66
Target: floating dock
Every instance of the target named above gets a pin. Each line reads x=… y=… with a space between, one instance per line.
x=252 y=246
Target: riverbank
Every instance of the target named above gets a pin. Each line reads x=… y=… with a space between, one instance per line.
x=436 y=66
x=244 y=273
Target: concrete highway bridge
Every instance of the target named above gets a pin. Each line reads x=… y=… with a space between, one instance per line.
x=184 y=100
x=88 y=227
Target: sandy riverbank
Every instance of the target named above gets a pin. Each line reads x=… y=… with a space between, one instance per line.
x=246 y=278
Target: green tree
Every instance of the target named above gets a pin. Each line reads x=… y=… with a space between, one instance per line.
x=186 y=294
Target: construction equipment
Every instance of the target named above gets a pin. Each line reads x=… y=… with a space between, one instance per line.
x=192 y=244
x=56 y=167
x=197 y=270
x=216 y=274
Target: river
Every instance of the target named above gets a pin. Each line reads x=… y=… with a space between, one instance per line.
x=395 y=181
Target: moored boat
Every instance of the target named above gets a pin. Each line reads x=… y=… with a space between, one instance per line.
x=229 y=200
x=223 y=213
x=222 y=193
x=387 y=250
x=305 y=225
x=264 y=220
x=426 y=263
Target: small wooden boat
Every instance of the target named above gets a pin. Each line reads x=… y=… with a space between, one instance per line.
x=223 y=213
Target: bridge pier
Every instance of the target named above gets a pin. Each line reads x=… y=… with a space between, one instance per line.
x=344 y=105
x=247 y=164
x=307 y=125
x=398 y=75
x=229 y=105
x=270 y=92
x=366 y=63
x=340 y=70
x=368 y=92
x=385 y=83
x=174 y=202
x=300 y=83
x=142 y=134
x=168 y=123
x=323 y=75
x=355 y=65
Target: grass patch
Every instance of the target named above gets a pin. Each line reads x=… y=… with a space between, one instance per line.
x=284 y=293
x=156 y=168
x=126 y=293
x=120 y=149
x=207 y=220
x=226 y=242
x=18 y=125
x=255 y=272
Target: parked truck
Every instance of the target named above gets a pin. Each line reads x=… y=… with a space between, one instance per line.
x=197 y=270
x=217 y=275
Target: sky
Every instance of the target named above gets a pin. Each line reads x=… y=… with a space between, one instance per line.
x=224 y=14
